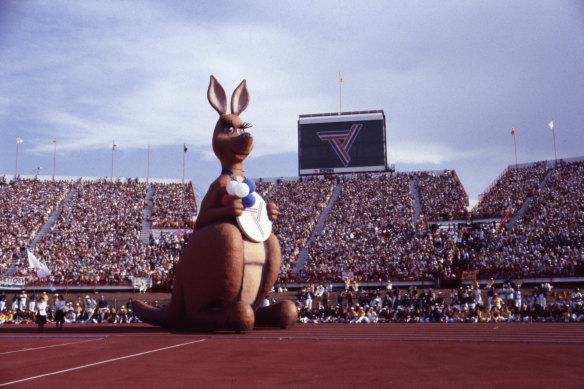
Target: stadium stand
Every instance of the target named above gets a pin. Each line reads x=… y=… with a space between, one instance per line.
x=371 y=220
x=442 y=195
x=510 y=191
x=299 y=205
x=25 y=205
x=173 y=206
x=370 y=233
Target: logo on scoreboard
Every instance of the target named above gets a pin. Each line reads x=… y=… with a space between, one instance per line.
x=341 y=141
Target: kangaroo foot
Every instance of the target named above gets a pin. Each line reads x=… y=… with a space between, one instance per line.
x=282 y=314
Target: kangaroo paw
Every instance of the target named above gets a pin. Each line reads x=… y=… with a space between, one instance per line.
x=238 y=317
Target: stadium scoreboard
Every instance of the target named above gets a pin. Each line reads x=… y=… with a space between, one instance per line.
x=343 y=142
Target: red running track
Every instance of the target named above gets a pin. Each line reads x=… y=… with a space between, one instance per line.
x=306 y=356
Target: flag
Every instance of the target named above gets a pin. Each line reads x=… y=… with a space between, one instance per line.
x=513 y=131
x=551 y=124
x=18 y=140
x=54 y=141
x=114 y=146
x=185 y=148
x=41 y=269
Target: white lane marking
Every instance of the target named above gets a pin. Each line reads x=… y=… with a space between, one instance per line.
x=54 y=345
x=101 y=362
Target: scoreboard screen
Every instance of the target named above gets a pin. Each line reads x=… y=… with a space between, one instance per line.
x=341 y=142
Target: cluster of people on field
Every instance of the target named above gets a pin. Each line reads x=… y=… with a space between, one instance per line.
x=42 y=309
x=510 y=190
x=173 y=206
x=469 y=304
x=442 y=196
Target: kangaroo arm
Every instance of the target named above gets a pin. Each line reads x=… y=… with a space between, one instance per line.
x=210 y=215
x=212 y=209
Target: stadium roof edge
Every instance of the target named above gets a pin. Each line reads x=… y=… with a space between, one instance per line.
x=309 y=115
x=10 y=177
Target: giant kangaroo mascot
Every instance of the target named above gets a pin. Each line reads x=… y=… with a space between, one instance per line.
x=223 y=277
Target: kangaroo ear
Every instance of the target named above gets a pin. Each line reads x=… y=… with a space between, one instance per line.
x=216 y=96
x=240 y=98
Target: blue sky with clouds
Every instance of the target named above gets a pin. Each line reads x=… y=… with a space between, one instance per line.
x=452 y=77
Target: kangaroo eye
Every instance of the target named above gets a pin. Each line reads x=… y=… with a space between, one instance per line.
x=229 y=130
x=240 y=131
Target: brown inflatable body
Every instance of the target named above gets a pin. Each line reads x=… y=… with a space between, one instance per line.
x=222 y=277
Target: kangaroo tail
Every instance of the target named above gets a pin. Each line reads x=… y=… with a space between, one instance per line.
x=169 y=316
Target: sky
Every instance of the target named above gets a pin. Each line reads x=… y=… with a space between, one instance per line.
x=453 y=78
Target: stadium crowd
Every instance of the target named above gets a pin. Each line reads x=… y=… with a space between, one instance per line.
x=510 y=191
x=173 y=206
x=263 y=188
x=299 y=204
x=98 y=232
x=96 y=238
x=366 y=228
x=442 y=196
x=549 y=237
x=25 y=206
x=370 y=232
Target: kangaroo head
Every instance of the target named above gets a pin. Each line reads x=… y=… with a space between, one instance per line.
x=231 y=142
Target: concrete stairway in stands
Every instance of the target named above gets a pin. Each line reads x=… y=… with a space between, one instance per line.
x=317 y=229
x=146 y=220
x=417 y=203
x=52 y=220
x=525 y=206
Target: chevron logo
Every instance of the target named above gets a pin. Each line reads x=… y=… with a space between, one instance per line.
x=341 y=141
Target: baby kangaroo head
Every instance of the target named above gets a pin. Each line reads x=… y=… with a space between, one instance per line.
x=231 y=141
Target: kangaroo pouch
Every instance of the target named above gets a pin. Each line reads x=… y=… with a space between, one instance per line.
x=254 y=258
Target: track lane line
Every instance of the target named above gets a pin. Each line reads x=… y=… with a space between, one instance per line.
x=53 y=345
x=100 y=363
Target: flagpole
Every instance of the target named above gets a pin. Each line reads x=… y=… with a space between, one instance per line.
x=555 y=151
x=340 y=93
x=16 y=168
x=148 y=168
x=515 y=144
x=54 y=157
x=113 y=149
x=184 y=158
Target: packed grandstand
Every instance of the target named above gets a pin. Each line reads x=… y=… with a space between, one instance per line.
x=400 y=226
x=405 y=228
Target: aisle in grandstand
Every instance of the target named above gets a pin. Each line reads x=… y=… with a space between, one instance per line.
x=408 y=227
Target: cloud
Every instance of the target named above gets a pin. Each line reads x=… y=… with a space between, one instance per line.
x=415 y=152
x=452 y=78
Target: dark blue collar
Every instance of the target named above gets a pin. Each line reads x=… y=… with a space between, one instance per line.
x=229 y=173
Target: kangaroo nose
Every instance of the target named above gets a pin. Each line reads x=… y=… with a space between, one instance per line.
x=248 y=135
